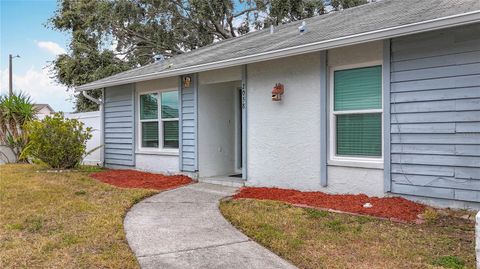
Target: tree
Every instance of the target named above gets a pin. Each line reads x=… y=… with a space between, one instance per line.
x=344 y=4
x=88 y=59
x=15 y=112
x=112 y=36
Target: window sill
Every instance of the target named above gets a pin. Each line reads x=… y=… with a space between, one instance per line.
x=158 y=152
x=371 y=164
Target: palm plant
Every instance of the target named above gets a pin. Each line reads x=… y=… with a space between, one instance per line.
x=15 y=111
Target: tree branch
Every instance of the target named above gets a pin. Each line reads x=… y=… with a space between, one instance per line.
x=244 y=11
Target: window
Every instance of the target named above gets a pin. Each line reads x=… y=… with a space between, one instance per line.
x=159 y=127
x=357 y=112
x=170 y=119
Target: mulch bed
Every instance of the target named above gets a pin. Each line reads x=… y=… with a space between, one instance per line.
x=137 y=179
x=393 y=208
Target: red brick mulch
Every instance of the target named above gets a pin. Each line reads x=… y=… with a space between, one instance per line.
x=394 y=208
x=137 y=179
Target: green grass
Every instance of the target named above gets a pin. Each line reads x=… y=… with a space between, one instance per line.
x=63 y=220
x=453 y=262
x=318 y=239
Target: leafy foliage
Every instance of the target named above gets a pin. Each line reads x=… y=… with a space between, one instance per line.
x=15 y=112
x=344 y=4
x=112 y=36
x=58 y=141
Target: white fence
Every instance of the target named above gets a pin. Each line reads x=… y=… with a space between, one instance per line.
x=6 y=155
x=91 y=119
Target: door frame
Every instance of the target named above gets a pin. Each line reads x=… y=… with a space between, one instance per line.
x=238 y=130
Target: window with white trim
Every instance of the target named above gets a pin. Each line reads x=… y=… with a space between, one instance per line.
x=357 y=112
x=159 y=120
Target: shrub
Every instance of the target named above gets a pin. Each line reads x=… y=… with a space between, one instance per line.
x=57 y=141
x=15 y=112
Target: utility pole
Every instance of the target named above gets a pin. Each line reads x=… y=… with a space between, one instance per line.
x=10 y=77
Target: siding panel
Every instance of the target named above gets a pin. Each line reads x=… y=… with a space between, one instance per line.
x=437 y=72
x=445 y=60
x=453 y=116
x=437 y=83
x=445 y=94
x=119 y=126
x=188 y=130
x=425 y=128
x=435 y=114
x=437 y=106
x=436 y=181
x=459 y=161
x=426 y=170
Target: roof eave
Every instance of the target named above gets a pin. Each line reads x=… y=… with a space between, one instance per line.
x=408 y=29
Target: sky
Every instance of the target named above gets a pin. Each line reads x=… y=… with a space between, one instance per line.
x=23 y=32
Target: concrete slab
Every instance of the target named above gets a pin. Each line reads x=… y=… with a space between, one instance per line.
x=195 y=194
x=238 y=255
x=183 y=228
x=224 y=180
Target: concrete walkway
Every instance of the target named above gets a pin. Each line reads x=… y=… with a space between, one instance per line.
x=183 y=228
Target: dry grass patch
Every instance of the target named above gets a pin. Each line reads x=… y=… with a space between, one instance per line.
x=62 y=220
x=317 y=239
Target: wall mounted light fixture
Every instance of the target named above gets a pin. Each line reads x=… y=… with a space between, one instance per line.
x=277 y=92
x=186 y=81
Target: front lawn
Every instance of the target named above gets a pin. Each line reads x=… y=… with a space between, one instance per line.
x=62 y=220
x=318 y=239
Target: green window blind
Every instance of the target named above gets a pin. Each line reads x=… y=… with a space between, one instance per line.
x=148 y=106
x=170 y=134
x=169 y=105
x=359 y=134
x=357 y=89
x=150 y=134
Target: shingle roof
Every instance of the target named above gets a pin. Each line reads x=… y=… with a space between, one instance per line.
x=367 y=18
x=41 y=106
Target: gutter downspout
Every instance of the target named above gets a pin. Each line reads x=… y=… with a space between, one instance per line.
x=102 y=135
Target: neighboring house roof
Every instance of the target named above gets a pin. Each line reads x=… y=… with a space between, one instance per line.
x=39 y=107
x=369 y=22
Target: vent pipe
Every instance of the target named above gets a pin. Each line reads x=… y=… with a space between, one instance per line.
x=303 y=28
x=159 y=58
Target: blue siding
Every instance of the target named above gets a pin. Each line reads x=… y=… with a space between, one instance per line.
x=188 y=125
x=323 y=118
x=387 y=132
x=119 y=126
x=435 y=114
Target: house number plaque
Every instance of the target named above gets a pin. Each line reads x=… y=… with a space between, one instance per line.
x=244 y=97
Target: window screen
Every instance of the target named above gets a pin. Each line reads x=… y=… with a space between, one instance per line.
x=357 y=108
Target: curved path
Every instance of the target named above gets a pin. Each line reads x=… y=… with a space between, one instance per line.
x=183 y=228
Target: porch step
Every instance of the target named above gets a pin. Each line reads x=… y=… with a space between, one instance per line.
x=224 y=181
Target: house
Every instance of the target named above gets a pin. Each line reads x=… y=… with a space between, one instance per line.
x=381 y=99
x=43 y=110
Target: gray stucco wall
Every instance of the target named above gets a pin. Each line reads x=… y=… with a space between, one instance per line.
x=435 y=114
x=119 y=126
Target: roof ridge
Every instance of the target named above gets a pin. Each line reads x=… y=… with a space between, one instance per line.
x=249 y=34
x=335 y=26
